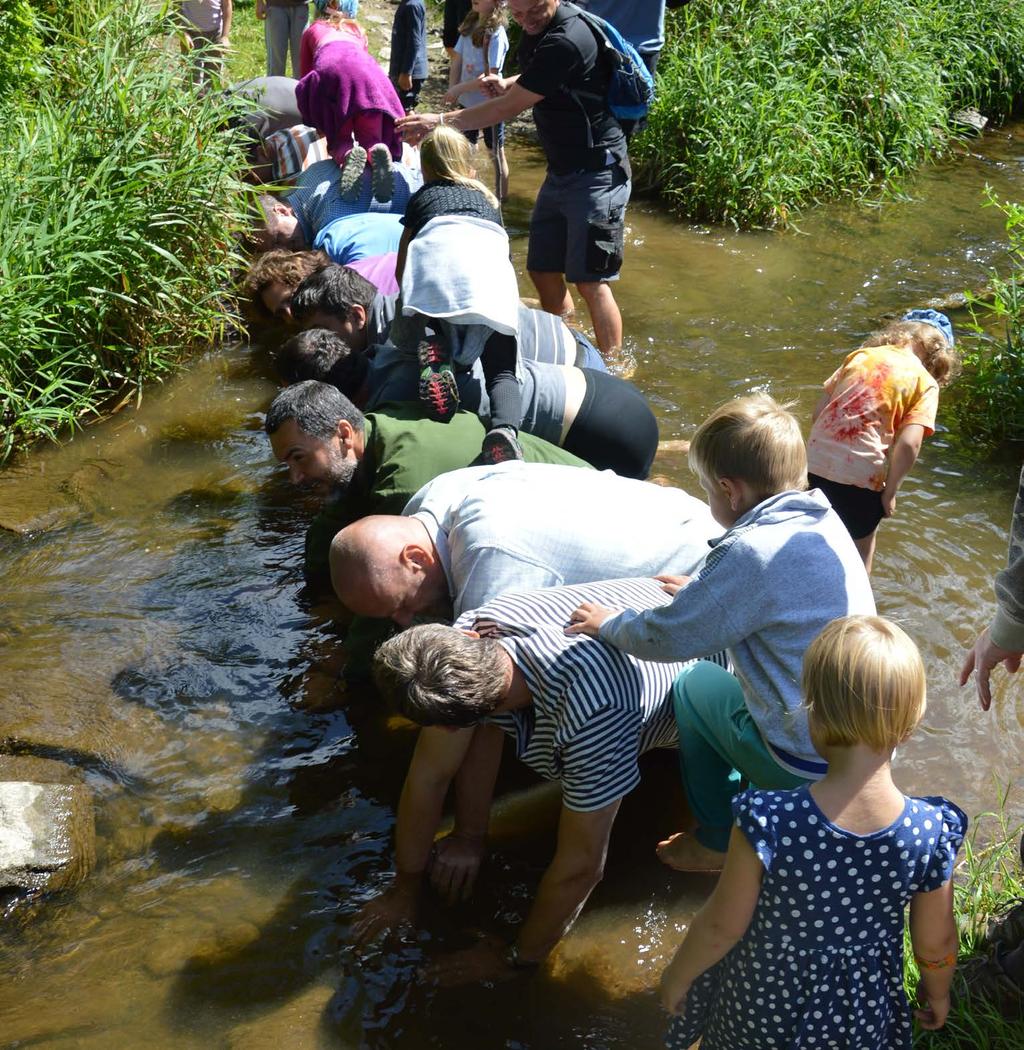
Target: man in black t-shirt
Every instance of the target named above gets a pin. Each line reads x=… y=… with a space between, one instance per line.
x=576 y=230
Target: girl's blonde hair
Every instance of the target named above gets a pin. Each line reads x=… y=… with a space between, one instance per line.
x=940 y=360
x=481 y=28
x=445 y=154
x=863 y=683
x=754 y=439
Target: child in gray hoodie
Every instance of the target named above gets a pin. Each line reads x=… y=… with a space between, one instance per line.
x=784 y=569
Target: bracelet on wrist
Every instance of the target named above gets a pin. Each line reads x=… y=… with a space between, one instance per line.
x=935 y=964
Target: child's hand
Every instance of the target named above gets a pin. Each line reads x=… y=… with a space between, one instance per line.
x=405 y=81
x=673 y=994
x=889 y=503
x=451 y=97
x=261 y=9
x=673 y=584
x=587 y=619
x=494 y=84
x=933 y=1012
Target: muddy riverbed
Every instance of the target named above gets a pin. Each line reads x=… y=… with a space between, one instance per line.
x=154 y=632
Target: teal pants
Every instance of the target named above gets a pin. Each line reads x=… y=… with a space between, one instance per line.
x=719 y=745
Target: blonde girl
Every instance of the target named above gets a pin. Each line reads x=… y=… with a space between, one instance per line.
x=335 y=20
x=874 y=413
x=460 y=297
x=479 y=51
x=801 y=942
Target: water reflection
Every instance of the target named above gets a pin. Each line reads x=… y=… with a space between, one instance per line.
x=156 y=635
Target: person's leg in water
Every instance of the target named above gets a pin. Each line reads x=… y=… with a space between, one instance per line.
x=494 y=140
x=719 y=747
x=498 y=361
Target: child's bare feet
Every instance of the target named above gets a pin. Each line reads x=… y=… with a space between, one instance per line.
x=684 y=853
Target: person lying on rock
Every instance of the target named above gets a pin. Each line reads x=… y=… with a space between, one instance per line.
x=578 y=711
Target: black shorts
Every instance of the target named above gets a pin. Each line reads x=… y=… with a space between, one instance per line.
x=615 y=428
x=860 y=509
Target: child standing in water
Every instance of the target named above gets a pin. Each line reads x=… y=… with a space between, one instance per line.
x=481 y=49
x=801 y=942
x=877 y=408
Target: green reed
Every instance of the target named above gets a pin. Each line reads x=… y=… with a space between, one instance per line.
x=988 y=398
x=766 y=106
x=117 y=221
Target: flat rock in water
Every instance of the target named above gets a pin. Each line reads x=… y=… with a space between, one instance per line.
x=47 y=836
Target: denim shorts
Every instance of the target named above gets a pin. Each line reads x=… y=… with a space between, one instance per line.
x=578 y=223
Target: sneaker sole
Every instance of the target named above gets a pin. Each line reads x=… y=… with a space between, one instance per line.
x=383 y=178
x=352 y=173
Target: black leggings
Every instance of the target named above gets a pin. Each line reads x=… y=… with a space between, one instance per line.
x=498 y=361
x=615 y=428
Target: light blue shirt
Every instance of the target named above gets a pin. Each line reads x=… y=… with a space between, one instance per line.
x=356 y=237
x=520 y=526
x=641 y=22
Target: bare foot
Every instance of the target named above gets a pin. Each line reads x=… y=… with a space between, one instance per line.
x=684 y=853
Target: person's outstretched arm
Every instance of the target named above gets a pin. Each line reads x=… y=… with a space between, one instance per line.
x=902 y=456
x=718 y=926
x=435 y=762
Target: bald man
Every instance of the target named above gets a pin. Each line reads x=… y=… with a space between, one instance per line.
x=473 y=534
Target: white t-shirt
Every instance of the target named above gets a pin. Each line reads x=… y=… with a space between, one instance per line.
x=474 y=64
x=205 y=15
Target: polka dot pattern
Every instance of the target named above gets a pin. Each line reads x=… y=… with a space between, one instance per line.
x=821 y=965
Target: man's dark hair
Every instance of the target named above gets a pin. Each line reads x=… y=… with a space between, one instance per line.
x=317 y=409
x=320 y=354
x=334 y=290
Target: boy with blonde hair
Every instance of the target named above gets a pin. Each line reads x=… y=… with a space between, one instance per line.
x=785 y=567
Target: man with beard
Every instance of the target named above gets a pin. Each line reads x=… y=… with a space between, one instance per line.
x=370 y=464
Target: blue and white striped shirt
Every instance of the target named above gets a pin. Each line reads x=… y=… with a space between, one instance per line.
x=595 y=709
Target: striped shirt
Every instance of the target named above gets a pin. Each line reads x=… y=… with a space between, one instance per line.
x=595 y=709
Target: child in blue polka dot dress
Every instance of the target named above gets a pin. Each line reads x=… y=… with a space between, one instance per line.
x=801 y=943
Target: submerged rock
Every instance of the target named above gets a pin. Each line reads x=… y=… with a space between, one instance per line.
x=47 y=837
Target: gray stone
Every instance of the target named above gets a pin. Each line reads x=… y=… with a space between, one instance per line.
x=47 y=836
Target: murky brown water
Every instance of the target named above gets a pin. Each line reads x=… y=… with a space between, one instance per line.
x=153 y=630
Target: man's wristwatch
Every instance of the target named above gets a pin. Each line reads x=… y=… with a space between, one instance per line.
x=512 y=958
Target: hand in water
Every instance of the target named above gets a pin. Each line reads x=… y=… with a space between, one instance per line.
x=455 y=865
x=673 y=584
x=587 y=619
x=394 y=908
x=983 y=657
x=483 y=962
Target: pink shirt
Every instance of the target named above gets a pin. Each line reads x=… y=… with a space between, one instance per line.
x=876 y=392
x=320 y=32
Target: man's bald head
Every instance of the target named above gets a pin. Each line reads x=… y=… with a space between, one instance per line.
x=386 y=566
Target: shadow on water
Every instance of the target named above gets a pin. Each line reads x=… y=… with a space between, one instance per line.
x=156 y=636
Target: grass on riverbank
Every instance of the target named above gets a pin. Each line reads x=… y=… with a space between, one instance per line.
x=988 y=402
x=768 y=105
x=117 y=220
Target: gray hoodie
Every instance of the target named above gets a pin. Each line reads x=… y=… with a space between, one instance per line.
x=769 y=586
x=1007 y=629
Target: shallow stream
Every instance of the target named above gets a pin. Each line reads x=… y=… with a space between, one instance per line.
x=154 y=633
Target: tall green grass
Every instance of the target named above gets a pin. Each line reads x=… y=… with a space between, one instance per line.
x=988 y=402
x=117 y=219
x=765 y=106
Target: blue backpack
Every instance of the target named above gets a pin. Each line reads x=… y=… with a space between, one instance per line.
x=630 y=93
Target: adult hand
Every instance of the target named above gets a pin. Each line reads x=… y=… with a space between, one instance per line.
x=889 y=503
x=587 y=619
x=982 y=658
x=455 y=865
x=673 y=584
x=261 y=9
x=394 y=908
x=405 y=81
x=494 y=85
x=483 y=962
x=416 y=126
x=933 y=1012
